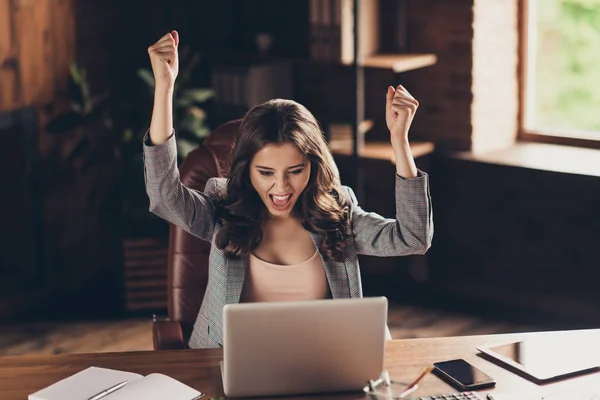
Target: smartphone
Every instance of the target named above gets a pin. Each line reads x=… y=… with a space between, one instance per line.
x=462 y=375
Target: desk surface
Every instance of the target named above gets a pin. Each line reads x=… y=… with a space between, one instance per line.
x=23 y=375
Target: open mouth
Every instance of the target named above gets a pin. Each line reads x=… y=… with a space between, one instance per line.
x=280 y=202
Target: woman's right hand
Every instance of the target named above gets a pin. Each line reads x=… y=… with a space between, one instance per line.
x=165 y=60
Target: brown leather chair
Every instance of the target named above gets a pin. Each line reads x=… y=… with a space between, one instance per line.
x=188 y=255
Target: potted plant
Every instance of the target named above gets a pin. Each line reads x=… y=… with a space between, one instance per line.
x=79 y=173
x=189 y=117
x=96 y=166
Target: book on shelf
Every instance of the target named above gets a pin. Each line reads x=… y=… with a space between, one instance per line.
x=339 y=135
x=251 y=84
x=331 y=30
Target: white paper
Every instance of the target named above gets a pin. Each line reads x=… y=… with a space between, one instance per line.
x=84 y=384
x=155 y=387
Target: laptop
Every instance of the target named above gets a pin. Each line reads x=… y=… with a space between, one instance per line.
x=302 y=347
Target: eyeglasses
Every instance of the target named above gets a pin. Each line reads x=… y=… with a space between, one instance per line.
x=384 y=379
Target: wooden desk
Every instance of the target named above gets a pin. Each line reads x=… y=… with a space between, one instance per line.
x=20 y=376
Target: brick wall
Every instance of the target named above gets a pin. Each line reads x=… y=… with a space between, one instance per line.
x=469 y=98
x=494 y=111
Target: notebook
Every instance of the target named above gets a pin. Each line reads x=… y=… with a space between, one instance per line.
x=88 y=383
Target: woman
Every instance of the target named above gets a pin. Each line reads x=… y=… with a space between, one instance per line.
x=281 y=226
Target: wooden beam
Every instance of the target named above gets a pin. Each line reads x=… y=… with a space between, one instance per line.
x=37 y=45
x=9 y=91
x=62 y=42
x=32 y=31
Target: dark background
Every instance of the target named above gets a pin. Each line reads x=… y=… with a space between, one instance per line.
x=510 y=240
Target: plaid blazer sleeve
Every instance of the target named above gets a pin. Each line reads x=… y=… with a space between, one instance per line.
x=191 y=210
x=410 y=233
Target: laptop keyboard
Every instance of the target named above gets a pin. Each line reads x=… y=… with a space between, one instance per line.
x=454 y=396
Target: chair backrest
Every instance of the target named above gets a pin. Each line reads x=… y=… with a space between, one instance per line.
x=188 y=255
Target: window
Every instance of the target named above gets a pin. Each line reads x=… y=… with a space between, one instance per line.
x=561 y=70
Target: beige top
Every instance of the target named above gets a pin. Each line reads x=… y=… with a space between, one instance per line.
x=274 y=282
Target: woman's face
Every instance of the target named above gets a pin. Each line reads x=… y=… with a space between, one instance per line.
x=279 y=174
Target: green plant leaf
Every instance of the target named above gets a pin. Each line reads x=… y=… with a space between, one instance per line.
x=189 y=123
x=76 y=73
x=85 y=93
x=183 y=103
x=76 y=107
x=75 y=93
x=202 y=132
x=146 y=76
x=199 y=95
x=184 y=147
x=83 y=74
x=128 y=135
x=64 y=122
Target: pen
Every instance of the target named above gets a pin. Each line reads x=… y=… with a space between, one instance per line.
x=413 y=384
x=421 y=376
x=109 y=390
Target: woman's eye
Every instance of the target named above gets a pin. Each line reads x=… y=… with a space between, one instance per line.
x=266 y=173
x=296 y=171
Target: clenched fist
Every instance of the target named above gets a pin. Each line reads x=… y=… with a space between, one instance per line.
x=400 y=110
x=165 y=60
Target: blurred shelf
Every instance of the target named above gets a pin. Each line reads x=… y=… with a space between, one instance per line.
x=399 y=62
x=541 y=156
x=383 y=150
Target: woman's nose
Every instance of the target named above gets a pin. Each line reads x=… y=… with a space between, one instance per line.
x=282 y=184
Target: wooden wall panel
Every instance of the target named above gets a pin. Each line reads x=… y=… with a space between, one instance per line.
x=62 y=41
x=37 y=44
x=8 y=73
x=32 y=32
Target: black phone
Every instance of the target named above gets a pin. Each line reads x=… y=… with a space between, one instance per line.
x=463 y=375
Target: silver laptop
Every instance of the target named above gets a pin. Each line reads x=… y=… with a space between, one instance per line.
x=302 y=347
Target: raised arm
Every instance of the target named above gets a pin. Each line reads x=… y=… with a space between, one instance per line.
x=400 y=109
x=410 y=233
x=412 y=230
x=165 y=66
x=189 y=209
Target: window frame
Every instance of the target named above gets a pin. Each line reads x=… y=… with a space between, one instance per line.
x=567 y=138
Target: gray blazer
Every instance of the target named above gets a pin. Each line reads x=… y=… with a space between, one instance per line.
x=194 y=211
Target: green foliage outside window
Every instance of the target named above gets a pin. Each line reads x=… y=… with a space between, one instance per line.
x=567 y=65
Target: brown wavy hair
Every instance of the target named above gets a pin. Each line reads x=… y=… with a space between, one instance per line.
x=322 y=207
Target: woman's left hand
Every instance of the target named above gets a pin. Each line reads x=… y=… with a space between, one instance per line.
x=400 y=109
